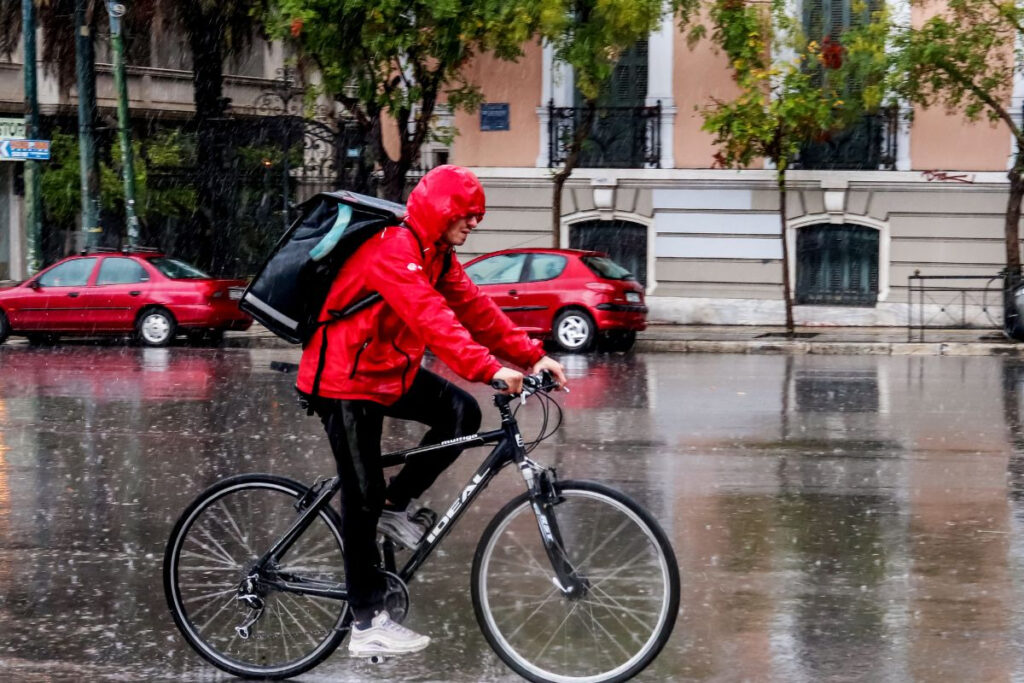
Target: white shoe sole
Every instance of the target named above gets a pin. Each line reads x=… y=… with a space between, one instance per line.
x=370 y=650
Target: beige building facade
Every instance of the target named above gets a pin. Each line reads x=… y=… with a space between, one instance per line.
x=929 y=198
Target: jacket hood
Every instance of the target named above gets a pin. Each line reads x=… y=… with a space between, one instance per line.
x=444 y=193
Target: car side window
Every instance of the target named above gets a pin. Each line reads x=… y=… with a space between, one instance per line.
x=545 y=267
x=120 y=271
x=68 y=274
x=502 y=269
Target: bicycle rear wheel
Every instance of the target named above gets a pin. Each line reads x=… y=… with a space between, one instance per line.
x=213 y=549
x=609 y=634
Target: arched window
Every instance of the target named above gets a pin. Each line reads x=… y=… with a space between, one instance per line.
x=624 y=241
x=837 y=264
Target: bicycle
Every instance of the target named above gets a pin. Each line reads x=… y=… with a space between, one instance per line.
x=572 y=581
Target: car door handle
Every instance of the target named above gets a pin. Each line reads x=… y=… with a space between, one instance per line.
x=512 y=292
x=73 y=294
x=134 y=292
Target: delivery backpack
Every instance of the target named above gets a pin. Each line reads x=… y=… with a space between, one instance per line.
x=289 y=291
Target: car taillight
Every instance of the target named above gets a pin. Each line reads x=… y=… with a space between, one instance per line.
x=601 y=287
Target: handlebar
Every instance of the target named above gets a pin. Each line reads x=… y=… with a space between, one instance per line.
x=542 y=381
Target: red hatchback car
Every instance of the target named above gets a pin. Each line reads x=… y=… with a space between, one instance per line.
x=575 y=298
x=141 y=292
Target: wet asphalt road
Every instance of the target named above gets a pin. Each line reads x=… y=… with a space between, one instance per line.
x=835 y=518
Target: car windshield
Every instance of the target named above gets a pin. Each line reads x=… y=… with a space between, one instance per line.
x=606 y=268
x=178 y=270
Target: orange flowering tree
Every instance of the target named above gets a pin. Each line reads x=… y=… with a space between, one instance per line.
x=791 y=90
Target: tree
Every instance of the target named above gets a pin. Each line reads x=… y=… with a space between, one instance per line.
x=391 y=63
x=966 y=58
x=590 y=36
x=791 y=91
x=216 y=30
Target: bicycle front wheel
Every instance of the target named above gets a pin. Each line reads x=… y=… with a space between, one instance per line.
x=212 y=551
x=629 y=608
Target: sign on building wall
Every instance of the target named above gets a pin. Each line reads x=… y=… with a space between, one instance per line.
x=12 y=129
x=494 y=116
x=20 y=150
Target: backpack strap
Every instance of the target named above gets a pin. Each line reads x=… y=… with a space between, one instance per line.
x=356 y=306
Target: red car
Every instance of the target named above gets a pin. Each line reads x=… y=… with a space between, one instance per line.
x=142 y=292
x=576 y=298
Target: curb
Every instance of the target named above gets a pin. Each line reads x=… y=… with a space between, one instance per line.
x=773 y=347
x=831 y=348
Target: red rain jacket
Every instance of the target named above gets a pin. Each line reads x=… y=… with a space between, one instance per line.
x=375 y=353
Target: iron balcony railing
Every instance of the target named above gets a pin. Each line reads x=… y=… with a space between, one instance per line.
x=869 y=144
x=620 y=137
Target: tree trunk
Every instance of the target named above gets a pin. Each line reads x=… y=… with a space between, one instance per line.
x=392 y=183
x=1011 y=226
x=571 y=160
x=786 y=290
x=1012 y=323
x=208 y=247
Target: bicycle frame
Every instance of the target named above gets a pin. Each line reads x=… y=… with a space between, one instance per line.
x=509 y=449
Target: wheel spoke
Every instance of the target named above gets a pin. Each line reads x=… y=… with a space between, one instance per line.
x=610 y=632
x=233 y=525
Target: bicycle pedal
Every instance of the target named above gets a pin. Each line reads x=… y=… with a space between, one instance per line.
x=425 y=517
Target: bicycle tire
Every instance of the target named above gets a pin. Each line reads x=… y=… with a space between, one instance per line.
x=211 y=550
x=519 y=607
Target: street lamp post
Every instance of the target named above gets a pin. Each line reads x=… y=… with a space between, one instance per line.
x=33 y=203
x=116 y=10
x=89 y=169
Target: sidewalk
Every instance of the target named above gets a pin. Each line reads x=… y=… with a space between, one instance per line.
x=886 y=341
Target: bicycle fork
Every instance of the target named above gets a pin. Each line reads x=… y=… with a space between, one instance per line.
x=543 y=498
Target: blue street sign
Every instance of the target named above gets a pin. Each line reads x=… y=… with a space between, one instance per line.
x=20 y=150
x=494 y=116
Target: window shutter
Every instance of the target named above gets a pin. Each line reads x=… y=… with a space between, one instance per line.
x=837 y=264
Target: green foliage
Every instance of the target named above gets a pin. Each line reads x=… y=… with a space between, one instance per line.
x=964 y=57
x=791 y=90
x=400 y=58
x=591 y=35
x=390 y=55
x=61 y=185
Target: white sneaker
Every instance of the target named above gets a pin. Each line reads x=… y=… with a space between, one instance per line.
x=385 y=637
x=406 y=526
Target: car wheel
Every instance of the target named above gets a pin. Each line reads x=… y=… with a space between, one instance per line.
x=574 y=331
x=618 y=341
x=5 y=328
x=155 y=327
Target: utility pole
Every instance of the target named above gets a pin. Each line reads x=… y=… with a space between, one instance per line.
x=116 y=10
x=85 y=68
x=33 y=204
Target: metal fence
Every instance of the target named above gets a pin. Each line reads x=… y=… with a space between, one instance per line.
x=620 y=137
x=953 y=301
x=869 y=144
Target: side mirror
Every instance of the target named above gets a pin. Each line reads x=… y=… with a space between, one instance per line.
x=33 y=284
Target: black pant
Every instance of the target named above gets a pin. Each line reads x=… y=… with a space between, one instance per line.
x=354 y=430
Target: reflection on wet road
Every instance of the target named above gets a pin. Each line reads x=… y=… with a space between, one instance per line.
x=835 y=518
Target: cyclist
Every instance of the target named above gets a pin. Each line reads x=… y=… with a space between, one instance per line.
x=366 y=366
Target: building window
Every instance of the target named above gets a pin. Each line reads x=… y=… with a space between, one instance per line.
x=625 y=242
x=837 y=265
x=869 y=143
x=625 y=132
